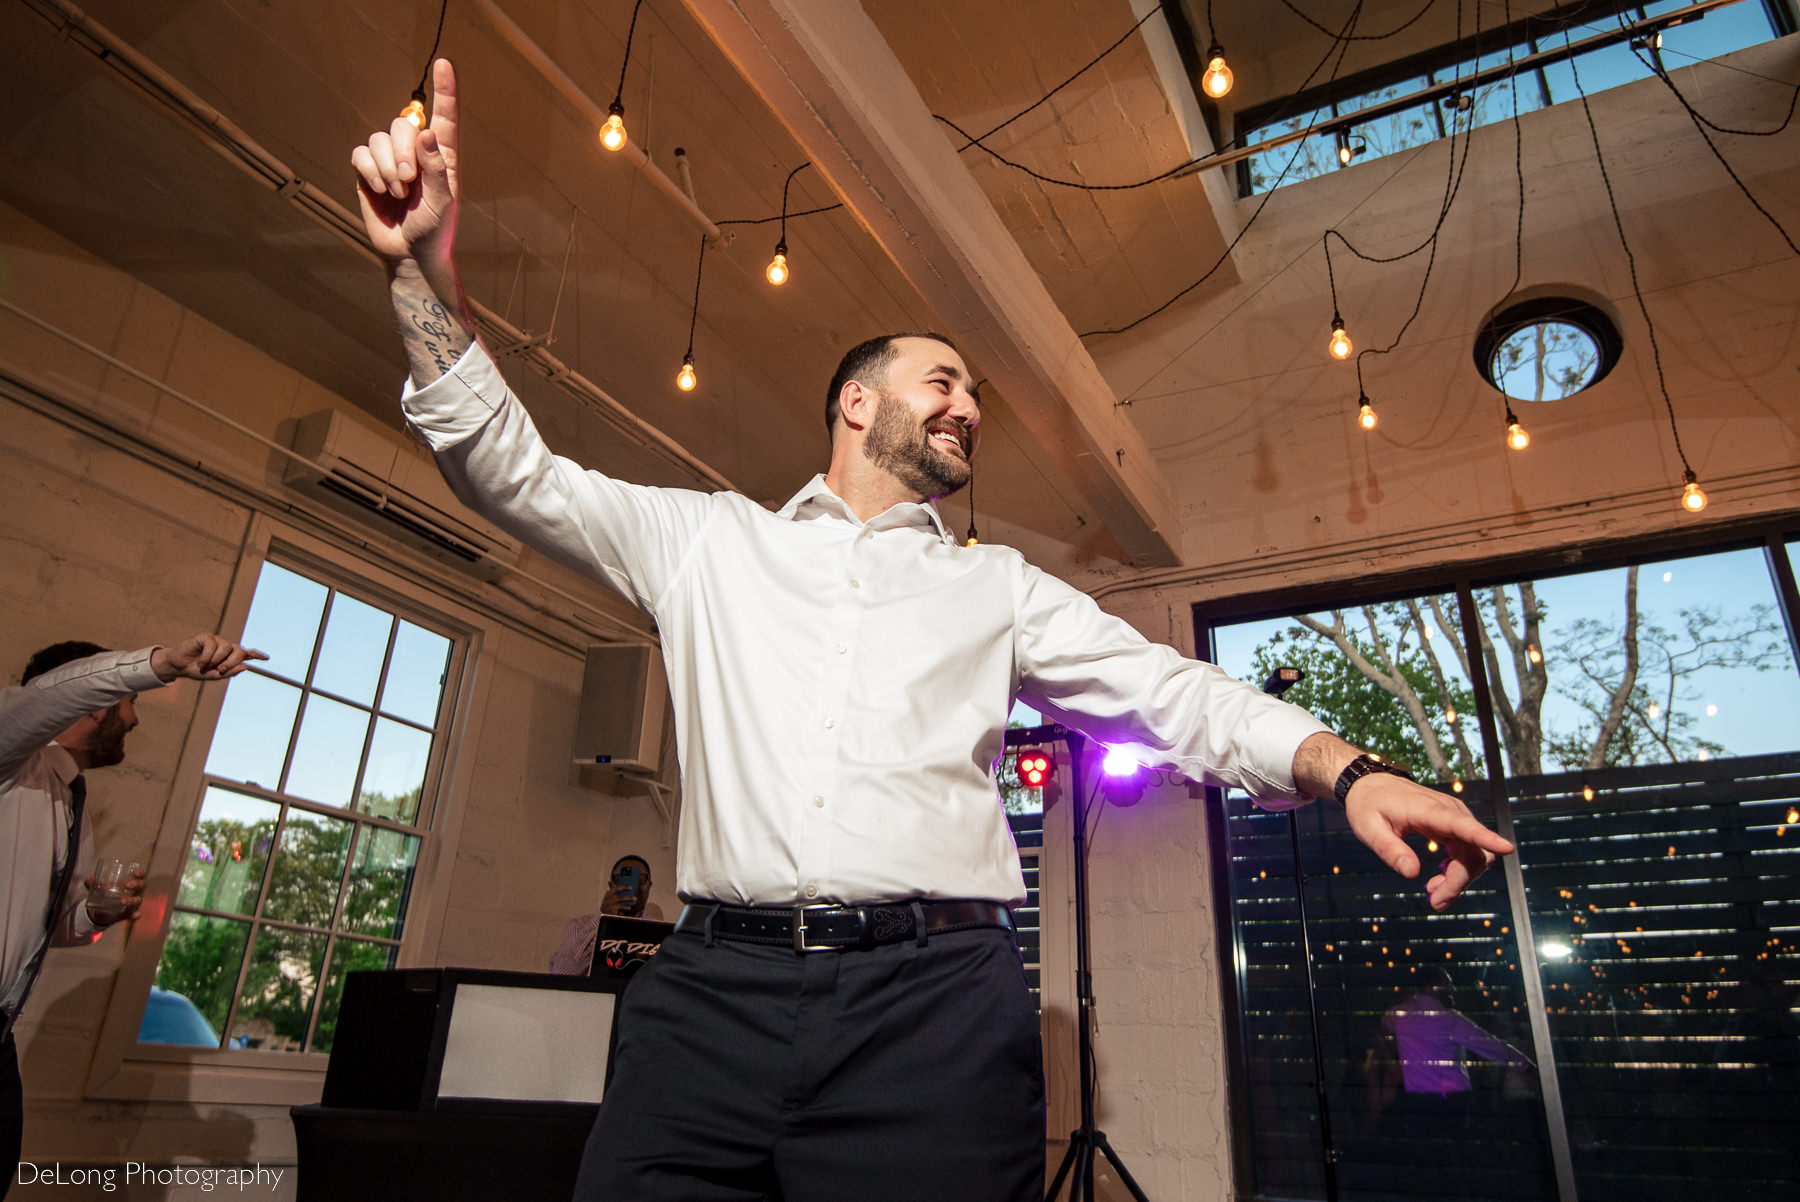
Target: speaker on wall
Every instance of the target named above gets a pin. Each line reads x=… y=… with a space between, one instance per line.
x=624 y=696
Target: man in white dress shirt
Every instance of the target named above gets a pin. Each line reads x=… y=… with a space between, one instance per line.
x=846 y=1015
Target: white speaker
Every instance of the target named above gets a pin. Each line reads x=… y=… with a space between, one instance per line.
x=624 y=696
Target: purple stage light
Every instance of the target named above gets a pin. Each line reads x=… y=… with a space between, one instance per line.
x=1118 y=762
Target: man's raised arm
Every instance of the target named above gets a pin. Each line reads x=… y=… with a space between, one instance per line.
x=407 y=183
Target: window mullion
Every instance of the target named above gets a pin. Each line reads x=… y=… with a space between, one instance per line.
x=1530 y=974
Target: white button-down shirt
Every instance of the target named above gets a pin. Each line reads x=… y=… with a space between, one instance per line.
x=841 y=688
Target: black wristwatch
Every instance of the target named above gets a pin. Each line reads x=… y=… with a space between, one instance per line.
x=1360 y=767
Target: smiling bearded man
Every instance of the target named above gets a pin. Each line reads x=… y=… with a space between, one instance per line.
x=897 y=443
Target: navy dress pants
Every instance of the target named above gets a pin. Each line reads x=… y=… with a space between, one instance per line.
x=899 y=1073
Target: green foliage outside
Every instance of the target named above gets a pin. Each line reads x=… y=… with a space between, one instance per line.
x=1389 y=677
x=228 y=862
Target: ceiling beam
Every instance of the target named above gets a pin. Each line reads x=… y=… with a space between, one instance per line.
x=827 y=73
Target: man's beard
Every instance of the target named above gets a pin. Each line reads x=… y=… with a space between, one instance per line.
x=903 y=448
x=106 y=746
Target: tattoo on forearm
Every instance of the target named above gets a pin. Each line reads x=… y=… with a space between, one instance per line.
x=433 y=336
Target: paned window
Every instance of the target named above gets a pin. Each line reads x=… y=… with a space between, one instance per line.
x=317 y=794
x=1614 y=55
x=1611 y=1012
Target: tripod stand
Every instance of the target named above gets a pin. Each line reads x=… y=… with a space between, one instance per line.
x=1085 y=1141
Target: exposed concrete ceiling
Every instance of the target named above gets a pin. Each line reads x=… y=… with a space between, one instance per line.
x=1089 y=441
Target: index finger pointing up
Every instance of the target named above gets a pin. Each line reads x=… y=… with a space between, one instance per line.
x=443 y=107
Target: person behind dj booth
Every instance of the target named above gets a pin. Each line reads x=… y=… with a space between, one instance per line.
x=627 y=896
x=840 y=1011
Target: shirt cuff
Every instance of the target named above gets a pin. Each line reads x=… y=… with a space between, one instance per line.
x=137 y=673
x=456 y=404
x=80 y=925
x=1278 y=738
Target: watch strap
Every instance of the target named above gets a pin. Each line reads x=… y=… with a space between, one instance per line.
x=1363 y=765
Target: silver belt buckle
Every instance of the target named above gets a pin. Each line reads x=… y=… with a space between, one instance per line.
x=800 y=943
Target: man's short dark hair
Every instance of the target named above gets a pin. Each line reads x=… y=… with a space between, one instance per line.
x=56 y=655
x=868 y=364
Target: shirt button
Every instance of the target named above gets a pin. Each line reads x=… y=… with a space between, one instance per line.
x=818 y=802
x=830 y=722
x=841 y=649
x=854 y=583
x=812 y=891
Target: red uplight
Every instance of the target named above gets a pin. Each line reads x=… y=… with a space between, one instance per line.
x=1034 y=769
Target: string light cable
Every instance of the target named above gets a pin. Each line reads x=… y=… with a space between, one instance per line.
x=1653 y=61
x=1190 y=165
x=778 y=269
x=686 y=379
x=1338 y=47
x=1452 y=187
x=612 y=134
x=1691 y=490
x=415 y=108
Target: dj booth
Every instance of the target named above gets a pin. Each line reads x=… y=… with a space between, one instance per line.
x=462 y=1083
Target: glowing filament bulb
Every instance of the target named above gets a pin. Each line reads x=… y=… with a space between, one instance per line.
x=687 y=379
x=1655 y=711
x=1532 y=653
x=1456 y=785
x=1340 y=341
x=1450 y=713
x=1217 y=79
x=612 y=134
x=1516 y=438
x=1587 y=791
x=1365 y=416
x=414 y=111
x=972 y=541
x=778 y=268
x=1692 y=499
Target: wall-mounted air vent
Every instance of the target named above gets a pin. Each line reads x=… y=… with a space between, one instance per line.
x=370 y=479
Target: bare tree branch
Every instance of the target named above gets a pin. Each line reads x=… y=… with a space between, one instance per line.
x=1621 y=693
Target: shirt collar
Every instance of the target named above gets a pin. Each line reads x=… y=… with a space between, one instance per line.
x=816 y=500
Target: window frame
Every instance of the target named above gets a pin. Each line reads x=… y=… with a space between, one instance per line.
x=123 y=1068
x=1523 y=34
x=1778 y=536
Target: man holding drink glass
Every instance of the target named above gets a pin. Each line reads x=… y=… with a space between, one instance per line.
x=71 y=712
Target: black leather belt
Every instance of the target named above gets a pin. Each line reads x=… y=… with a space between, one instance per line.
x=815 y=928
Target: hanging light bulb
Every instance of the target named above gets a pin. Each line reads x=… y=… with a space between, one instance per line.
x=687 y=379
x=778 y=268
x=415 y=109
x=612 y=134
x=1587 y=791
x=1516 y=438
x=1655 y=711
x=1365 y=413
x=1456 y=785
x=1692 y=499
x=1450 y=714
x=1532 y=652
x=1218 y=77
x=1340 y=341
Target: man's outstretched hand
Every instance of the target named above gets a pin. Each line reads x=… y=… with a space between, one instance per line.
x=406 y=180
x=1383 y=809
x=203 y=657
